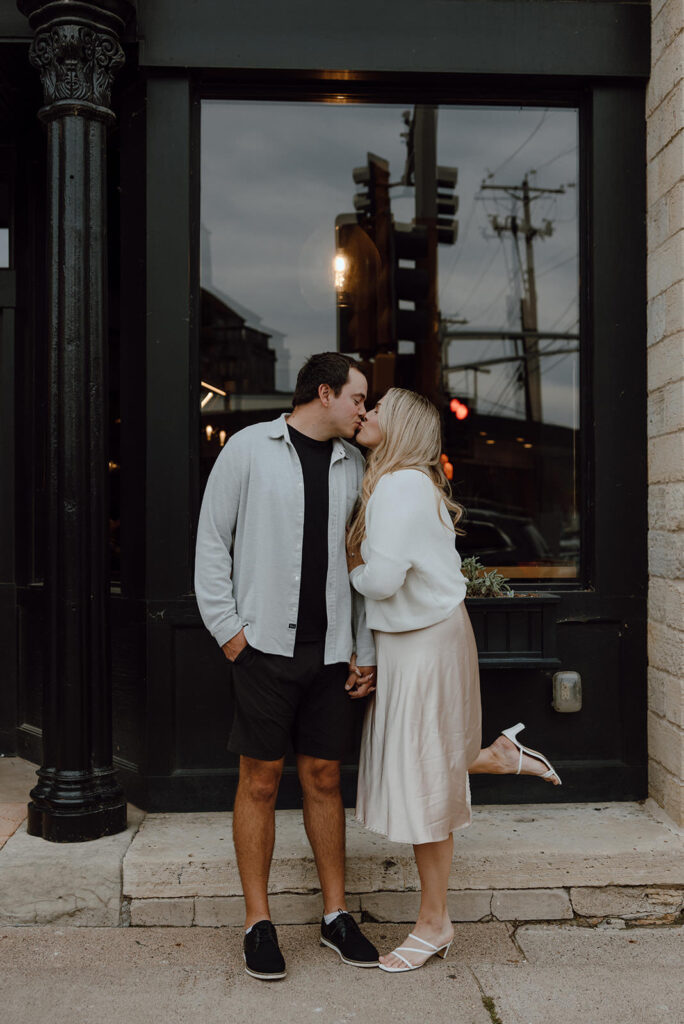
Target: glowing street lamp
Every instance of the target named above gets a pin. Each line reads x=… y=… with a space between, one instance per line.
x=340 y=271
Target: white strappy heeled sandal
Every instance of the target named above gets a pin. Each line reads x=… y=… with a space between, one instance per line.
x=511 y=734
x=427 y=953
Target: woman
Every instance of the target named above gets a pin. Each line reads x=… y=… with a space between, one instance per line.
x=422 y=731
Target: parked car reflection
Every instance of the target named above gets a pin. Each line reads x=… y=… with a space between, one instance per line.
x=497 y=538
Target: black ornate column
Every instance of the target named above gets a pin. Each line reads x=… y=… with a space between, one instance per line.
x=76 y=50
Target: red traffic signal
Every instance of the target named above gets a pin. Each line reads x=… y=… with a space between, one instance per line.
x=460 y=410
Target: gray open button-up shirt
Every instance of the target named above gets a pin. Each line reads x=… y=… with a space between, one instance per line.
x=249 y=545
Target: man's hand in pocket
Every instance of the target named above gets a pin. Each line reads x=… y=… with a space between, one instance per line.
x=234 y=646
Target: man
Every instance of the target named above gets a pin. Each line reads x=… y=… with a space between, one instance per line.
x=272 y=587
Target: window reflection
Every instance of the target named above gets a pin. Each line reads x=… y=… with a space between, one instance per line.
x=501 y=351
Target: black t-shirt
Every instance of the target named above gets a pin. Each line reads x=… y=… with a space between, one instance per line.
x=312 y=619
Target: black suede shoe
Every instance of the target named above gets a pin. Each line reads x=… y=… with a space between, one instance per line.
x=345 y=937
x=263 y=958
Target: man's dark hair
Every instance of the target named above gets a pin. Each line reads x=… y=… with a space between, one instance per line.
x=331 y=368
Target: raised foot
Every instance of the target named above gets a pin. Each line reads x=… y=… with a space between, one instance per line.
x=508 y=755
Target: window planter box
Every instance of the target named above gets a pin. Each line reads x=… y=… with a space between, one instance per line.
x=515 y=632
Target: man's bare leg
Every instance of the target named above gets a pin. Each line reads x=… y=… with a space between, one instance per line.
x=324 y=823
x=254 y=832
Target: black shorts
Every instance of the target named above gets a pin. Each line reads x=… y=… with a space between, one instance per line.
x=299 y=699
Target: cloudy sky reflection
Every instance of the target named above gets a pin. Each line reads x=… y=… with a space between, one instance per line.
x=274 y=176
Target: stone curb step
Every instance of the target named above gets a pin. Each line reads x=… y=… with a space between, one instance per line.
x=620 y=864
x=593 y=863
x=617 y=906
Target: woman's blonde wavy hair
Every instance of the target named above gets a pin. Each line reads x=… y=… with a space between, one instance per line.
x=411 y=439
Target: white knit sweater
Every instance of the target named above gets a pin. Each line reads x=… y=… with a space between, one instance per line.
x=412 y=573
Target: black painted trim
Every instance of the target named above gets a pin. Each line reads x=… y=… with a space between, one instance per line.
x=170 y=382
x=8 y=593
x=583 y=781
x=488 y=37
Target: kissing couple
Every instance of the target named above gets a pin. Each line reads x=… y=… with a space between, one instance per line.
x=327 y=579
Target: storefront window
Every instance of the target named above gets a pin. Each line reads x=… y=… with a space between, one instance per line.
x=483 y=315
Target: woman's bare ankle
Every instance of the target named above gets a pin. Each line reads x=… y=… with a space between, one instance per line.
x=503 y=755
x=436 y=924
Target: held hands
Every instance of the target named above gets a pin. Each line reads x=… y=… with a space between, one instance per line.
x=232 y=648
x=361 y=680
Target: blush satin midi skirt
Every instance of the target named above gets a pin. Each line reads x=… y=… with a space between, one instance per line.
x=422 y=729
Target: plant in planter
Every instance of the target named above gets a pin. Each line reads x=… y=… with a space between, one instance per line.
x=482 y=583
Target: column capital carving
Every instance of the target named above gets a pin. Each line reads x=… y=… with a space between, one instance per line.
x=76 y=50
x=76 y=63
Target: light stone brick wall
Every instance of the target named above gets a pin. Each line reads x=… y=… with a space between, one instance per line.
x=665 y=204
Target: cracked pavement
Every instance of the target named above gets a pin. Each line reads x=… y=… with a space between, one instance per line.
x=537 y=974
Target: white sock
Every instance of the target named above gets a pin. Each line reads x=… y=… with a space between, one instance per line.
x=329 y=918
x=248 y=930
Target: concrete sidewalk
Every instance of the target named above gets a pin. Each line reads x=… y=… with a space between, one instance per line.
x=608 y=872
x=558 y=974
x=620 y=863
x=16 y=780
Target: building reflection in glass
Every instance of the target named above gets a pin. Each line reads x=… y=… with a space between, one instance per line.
x=274 y=179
